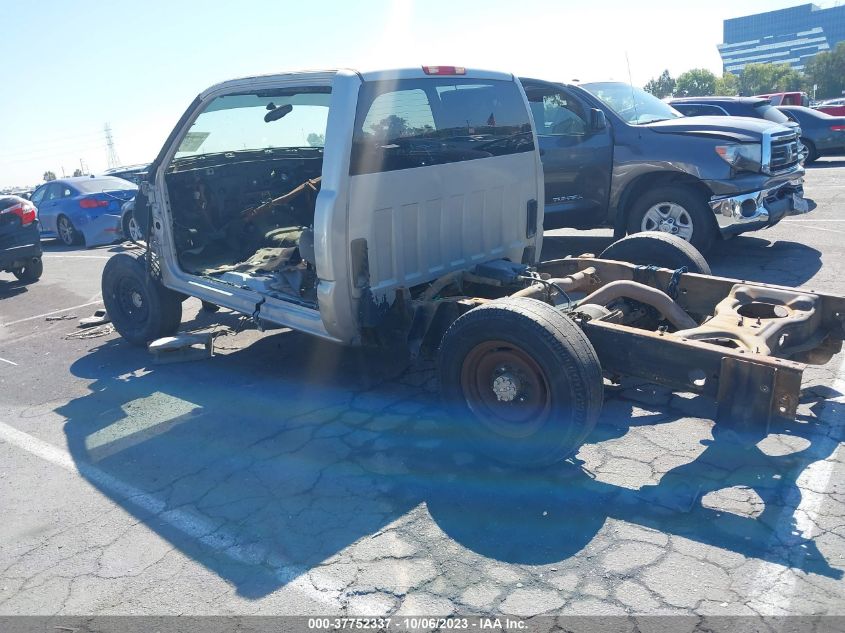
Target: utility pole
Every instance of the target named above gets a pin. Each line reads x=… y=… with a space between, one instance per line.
x=112 y=160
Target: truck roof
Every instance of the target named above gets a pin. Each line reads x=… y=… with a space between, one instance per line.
x=719 y=99
x=414 y=72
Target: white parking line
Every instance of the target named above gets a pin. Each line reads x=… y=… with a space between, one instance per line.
x=46 y=314
x=814 y=480
x=58 y=256
x=192 y=524
x=819 y=228
x=8 y=361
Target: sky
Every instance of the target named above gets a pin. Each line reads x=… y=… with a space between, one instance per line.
x=69 y=68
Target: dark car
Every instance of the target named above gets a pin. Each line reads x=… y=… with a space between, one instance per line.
x=132 y=173
x=754 y=107
x=132 y=230
x=616 y=156
x=822 y=134
x=20 y=242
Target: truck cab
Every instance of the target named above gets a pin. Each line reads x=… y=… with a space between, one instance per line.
x=787 y=98
x=310 y=199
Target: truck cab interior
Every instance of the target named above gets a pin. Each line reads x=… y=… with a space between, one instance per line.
x=243 y=187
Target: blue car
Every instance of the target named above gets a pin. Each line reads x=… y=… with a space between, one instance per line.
x=84 y=210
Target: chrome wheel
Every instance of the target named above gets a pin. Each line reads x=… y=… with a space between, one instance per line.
x=67 y=233
x=135 y=233
x=668 y=217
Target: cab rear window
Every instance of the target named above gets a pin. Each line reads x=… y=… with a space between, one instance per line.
x=419 y=122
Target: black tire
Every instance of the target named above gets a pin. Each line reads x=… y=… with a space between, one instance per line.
x=68 y=235
x=654 y=248
x=551 y=391
x=694 y=207
x=131 y=228
x=31 y=271
x=812 y=152
x=140 y=308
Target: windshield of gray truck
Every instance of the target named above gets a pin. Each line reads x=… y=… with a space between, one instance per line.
x=265 y=120
x=634 y=105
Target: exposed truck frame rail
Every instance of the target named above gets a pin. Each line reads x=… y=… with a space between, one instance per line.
x=751 y=384
x=744 y=344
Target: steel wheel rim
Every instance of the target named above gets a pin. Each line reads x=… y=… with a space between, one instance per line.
x=134 y=230
x=66 y=231
x=129 y=295
x=505 y=388
x=668 y=217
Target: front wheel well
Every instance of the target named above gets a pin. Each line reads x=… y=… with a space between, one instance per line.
x=649 y=181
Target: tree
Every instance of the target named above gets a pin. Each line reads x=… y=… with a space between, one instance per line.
x=827 y=71
x=48 y=176
x=77 y=172
x=727 y=85
x=663 y=86
x=764 y=78
x=390 y=127
x=316 y=140
x=696 y=83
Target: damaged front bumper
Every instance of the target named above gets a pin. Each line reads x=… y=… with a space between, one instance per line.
x=737 y=214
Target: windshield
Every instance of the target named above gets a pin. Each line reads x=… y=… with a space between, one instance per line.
x=634 y=105
x=770 y=113
x=244 y=122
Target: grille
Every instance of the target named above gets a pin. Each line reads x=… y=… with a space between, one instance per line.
x=785 y=153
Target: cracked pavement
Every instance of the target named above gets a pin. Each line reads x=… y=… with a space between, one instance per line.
x=289 y=476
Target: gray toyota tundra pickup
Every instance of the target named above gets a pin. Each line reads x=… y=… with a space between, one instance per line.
x=614 y=155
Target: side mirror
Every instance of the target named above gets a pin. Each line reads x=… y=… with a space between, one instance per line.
x=598 y=121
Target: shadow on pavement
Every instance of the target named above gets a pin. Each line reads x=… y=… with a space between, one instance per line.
x=11 y=288
x=751 y=256
x=560 y=246
x=755 y=258
x=265 y=462
x=50 y=245
x=826 y=163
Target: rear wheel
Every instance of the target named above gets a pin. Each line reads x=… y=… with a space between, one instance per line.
x=675 y=210
x=140 y=308
x=31 y=271
x=521 y=380
x=68 y=234
x=657 y=249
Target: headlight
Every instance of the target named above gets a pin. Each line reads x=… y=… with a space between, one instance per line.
x=747 y=156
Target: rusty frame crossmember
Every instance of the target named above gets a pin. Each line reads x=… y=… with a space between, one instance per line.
x=750 y=388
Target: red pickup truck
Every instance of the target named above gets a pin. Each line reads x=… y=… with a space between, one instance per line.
x=833 y=107
x=787 y=98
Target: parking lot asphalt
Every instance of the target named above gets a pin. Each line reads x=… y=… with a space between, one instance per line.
x=289 y=476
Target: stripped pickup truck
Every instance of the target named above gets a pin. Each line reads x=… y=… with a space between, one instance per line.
x=405 y=208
